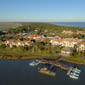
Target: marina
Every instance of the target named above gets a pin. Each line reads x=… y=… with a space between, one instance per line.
x=71 y=71
x=20 y=72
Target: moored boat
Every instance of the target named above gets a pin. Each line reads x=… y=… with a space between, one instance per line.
x=32 y=64
x=73 y=76
x=47 y=72
x=76 y=70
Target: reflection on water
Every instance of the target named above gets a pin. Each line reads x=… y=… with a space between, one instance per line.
x=18 y=72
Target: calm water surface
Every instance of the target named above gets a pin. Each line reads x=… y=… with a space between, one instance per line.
x=18 y=72
x=76 y=24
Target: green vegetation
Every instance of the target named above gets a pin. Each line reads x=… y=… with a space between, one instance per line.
x=47 y=30
x=40 y=49
x=75 y=60
x=42 y=29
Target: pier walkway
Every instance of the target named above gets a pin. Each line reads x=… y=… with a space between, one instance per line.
x=55 y=63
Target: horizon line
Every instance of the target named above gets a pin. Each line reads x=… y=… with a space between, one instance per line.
x=37 y=21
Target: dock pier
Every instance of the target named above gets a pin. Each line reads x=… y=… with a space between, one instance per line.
x=56 y=63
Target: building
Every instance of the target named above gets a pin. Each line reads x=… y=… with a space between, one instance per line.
x=17 y=43
x=67 y=32
x=67 y=42
x=66 y=51
x=81 y=46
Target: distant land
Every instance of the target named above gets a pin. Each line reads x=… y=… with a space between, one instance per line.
x=15 y=24
x=9 y=25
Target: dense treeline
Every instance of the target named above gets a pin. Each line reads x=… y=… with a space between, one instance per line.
x=47 y=30
x=41 y=27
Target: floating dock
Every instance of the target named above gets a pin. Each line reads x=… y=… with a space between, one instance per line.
x=69 y=71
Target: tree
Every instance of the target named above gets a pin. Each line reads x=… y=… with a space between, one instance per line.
x=83 y=54
x=3 y=46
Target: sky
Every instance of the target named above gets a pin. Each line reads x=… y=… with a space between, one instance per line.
x=42 y=10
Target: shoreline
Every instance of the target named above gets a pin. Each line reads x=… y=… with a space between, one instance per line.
x=65 y=59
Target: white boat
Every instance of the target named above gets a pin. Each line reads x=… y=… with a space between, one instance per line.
x=32 y=63
x=76 y=70
x=73 y=76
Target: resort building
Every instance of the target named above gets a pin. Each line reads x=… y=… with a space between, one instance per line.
x=17 y=43
x=81 y=46
x=66 y=51
x=67 y=32
x=67 y=42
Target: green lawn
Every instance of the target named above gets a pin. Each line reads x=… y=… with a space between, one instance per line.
x=17 y=53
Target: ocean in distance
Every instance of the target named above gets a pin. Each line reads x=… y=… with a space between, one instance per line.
x=75 y=24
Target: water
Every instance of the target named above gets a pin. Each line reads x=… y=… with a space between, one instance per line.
x=18 y=72
x=76 y=24
x=15 y=27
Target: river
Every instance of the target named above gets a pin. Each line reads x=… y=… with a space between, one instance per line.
x=18 y=72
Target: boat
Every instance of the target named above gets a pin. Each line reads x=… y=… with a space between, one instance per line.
x=37 y=62
x=76 y=70
x=73 y=73
x=73 y=76
x=47 y=72
x=32 y=63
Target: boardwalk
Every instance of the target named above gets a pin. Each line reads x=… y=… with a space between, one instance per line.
x=55 y=63
x=50 y=61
